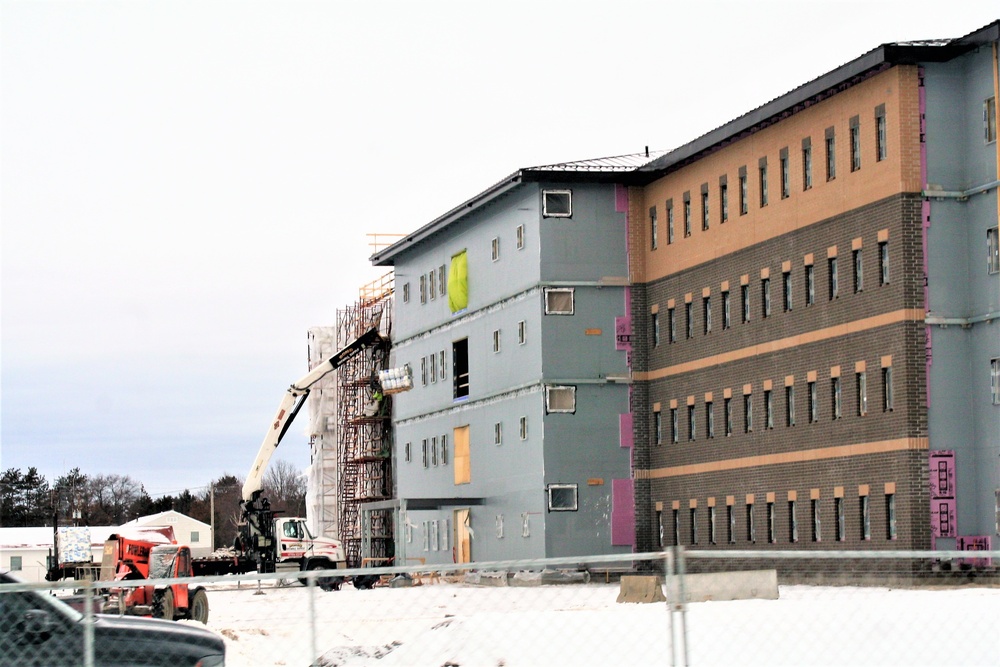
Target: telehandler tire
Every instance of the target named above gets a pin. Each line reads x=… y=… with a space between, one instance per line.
x=163 y=604
x=198 y=608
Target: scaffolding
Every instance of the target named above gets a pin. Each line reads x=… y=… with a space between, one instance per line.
x=364 y=428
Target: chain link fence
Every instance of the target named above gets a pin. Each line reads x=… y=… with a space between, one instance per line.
x=672 y=608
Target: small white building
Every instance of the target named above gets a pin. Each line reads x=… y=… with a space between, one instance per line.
x=24 y=551
x=193 y=533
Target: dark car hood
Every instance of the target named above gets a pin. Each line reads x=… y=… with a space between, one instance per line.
x=136 y=634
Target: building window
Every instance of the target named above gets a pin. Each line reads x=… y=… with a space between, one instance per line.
x=831 y=159
x=772 y=535
x=522 y=335
x=790 y=405
x=691 y=423
x=883 y=263
x=995 y=380
x=675 y=429
x=694 y=525
x=813 y=404
x=785 y=174
x=862 y=386
x=807 y=164
x=677 y=527
x=765 y=292
x=519 y=236
x=744 y=195
x=406 y=292
x=442 y=281
x=817 y=534
x=834 y=278
x=711 y=525
x=768 y=409
x=731 y=524
x=859 y=273
x=434 y=451
x=689 y=319
x=495 y=252
x=671 y=326
x=444 y=450
x=838 y=510
x=810 y=285
x=990 y=120
x=855 y=130
x=442 y=369
x=709 y=419
x=748 y=413
x=562 y=497
x=993 y=251
x=786 y=284
x=423 y=371
x=425 y=454
x=706 y=306
x=890 y=516
x=687 y=214
x=793 y=523
x=654 y=320
x=881 y=152
x=835 y=397
x=525 y=524
x=523 y=428
x=408 y=452
x=499 y=526
x=432 y=285
x=887 y=399
x=866 y=519
x=460 y=367
x=653 y=228
x=423 y=289
x=16 y=563
x=727 y=409
x=762 y=172
x=704 y=207
x=560 y=399
x=670 y=221
x=559 y=301
x=498 y=433
x=726 y=311
x=496 y=341
x=751 y=528
x=724 y=201
x=745 y=302
x=432 y=370
x=658 y=427
x=557 y=204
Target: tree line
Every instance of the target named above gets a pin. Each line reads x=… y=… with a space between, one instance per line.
x=78 y=499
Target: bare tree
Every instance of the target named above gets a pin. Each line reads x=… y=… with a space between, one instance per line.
x=285 y=487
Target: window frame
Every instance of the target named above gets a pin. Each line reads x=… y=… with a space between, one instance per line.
x=551 y=389
x=557 y=211
x=549 y=310
x=572 y=507
x=653 y=228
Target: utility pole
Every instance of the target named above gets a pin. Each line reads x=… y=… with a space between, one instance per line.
x=211 y=505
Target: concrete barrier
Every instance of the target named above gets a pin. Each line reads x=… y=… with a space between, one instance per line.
x=641 y=589
x=744 y=585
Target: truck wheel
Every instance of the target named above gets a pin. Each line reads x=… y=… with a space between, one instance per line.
x=325 y=583
x=198 y=611
x=163 y=604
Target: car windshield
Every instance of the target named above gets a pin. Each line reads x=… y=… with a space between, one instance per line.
x=161 y=564
x=42 y=599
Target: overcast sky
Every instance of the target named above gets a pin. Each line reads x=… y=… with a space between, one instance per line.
x=187 y=186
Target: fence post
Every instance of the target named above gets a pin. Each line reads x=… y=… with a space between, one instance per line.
x=88 y=624
x=677 y=599
x=311 y=585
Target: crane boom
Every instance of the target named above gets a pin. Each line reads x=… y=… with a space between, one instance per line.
x=290 y=405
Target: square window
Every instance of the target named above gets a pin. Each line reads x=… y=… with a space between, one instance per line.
x=557 y=203
x=559 y=301
x=562 y=497
x=16 y=563
x=560 y=399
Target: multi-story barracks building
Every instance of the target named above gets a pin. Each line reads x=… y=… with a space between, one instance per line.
x=515 y=440
x=816 y=314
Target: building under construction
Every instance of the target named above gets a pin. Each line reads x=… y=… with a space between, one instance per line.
x=351 y=433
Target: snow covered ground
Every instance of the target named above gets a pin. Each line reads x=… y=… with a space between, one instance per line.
x=450 y=624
